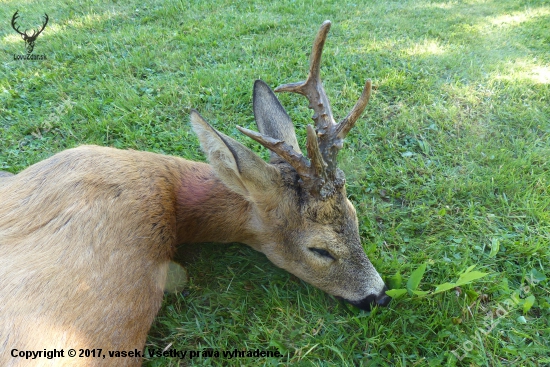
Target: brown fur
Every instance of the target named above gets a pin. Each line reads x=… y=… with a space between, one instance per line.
x=85 y=240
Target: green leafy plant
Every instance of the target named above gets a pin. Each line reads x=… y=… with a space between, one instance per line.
x=466 y=277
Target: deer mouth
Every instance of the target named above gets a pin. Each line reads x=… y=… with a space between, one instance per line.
x=372 y=300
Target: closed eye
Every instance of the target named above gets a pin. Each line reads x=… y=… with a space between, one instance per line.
x=322 y=252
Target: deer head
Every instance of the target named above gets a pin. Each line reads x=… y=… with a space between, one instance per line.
x=29 y=39
x=299 y=212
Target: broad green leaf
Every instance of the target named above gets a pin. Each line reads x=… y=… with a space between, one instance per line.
x=514 y=297
x=444 y=287
x=396 y=293
x=421 y=293
x=469 y=277
x=415 y=278
x=536 y=276
x=395 y=281
x=528 y=303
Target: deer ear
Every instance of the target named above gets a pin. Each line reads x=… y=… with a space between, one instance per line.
x=239 y=168
x=272 y=119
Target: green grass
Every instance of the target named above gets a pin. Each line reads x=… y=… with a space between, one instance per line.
x=451 y=158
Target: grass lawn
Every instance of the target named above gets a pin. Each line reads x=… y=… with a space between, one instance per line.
x=448 y=167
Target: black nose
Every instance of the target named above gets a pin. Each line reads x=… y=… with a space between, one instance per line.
x=381 y=299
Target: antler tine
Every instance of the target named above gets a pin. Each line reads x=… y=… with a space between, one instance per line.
x=13 y=23
x=347 y=124
x=43 y=26
x=312 y=175
x=314 y=153
x=36 y=32
x=312 y=87
x=285 y=151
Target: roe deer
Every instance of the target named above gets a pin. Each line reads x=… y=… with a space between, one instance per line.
x=87 y=234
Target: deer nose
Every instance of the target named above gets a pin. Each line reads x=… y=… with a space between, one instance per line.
x=381 y=299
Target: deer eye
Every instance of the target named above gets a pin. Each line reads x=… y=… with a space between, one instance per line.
x=322 y=252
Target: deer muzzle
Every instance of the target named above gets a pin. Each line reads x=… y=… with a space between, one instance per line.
x=367 y=303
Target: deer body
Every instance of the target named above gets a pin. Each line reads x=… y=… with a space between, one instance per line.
x=85 y=241
x=86 y=235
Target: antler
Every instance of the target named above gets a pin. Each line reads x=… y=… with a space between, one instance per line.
x=35 y=33
x=319 y=174
x=14 y=26
x=310 y=172
x=329 y=133
x=46 y=18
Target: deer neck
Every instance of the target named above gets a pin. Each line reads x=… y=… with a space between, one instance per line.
x=207 y=211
